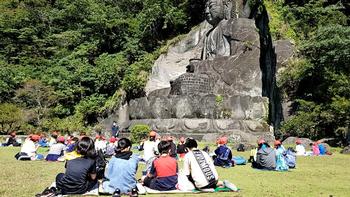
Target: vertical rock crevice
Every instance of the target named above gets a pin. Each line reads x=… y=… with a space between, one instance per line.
x=268 y=65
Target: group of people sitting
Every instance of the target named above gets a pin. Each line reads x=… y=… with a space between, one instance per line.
x=59 y=147
x=317 y=149
x=120 y=174
x=267 y=158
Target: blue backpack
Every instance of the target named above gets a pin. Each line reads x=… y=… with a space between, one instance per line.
x=290 y=157
x=239 y=160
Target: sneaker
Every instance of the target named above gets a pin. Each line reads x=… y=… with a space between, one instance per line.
x=116 y=193
x=48 y=192
x=45 y=192
x=134 y=193
x=230 y=185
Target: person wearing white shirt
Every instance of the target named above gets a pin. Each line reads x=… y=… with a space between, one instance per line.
x=29 y=147
x=299 y=148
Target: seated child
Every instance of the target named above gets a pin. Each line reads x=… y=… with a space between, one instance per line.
x=315 y=149
x=71 y=144
x=281 y=164
x=53 y=139
x=100 y=143
x=265 y=156
x=30 y=147
x=43 y=141
x=163 y=174
x=299 y=148
x=322 y=148
x=80 y=175
x=223 y=154
x=111 y=146
x=181 y=148
x=11 y=140
x=121 y=170
x=56 y=150
x=200 y=169
x=172 y=153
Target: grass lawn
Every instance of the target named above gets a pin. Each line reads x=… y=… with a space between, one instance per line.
x=314 y=176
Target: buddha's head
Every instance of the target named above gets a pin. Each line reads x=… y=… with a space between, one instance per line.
x=214 y=11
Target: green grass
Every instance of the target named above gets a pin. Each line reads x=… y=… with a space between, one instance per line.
x=314 y=176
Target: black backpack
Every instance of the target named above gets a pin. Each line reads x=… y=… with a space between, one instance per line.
x=240 y=148
x=101 y=164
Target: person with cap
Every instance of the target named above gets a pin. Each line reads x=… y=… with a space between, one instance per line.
x=299 y=148
x=150 y=147
x=181 y=148
x=265 y=156
x=111 y=147
x=223 y=153
x=30 y=147
x=56 y=150
x=281 y=164
x=100 y=143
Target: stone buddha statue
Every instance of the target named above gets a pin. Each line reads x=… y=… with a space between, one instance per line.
x=217 y=40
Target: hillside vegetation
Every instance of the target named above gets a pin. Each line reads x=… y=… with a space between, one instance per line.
x=317 y=81
x=65 y=63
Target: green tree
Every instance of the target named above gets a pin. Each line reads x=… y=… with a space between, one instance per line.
x=11 y=117
x=38 y=97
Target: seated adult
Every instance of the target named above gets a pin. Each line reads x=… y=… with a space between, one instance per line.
x=299 y=148
x=223 y=154
x=121 y=170
x=163 y=174
x=200 y=170
x=11 y=140
x=265 y=156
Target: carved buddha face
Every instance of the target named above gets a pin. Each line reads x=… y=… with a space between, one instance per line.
x=214 y=11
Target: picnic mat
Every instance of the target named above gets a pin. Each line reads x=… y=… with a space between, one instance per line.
x=142 y=190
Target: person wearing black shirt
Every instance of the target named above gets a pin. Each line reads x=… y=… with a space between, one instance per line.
x=12 y=140
x=80 y=175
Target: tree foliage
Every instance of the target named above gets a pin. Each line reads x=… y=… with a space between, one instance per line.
x=319 y=81
x=83 y=52
x=11 y=117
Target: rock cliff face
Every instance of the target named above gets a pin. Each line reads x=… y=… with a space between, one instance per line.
x=199 y=89
x=171 y=65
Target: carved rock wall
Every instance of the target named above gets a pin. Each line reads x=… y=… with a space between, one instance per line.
x=171 y=65
x=238 y=107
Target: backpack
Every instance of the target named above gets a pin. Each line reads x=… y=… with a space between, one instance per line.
x=240 y=148
x=239 y=160
x=290 y=157
x=101 y=164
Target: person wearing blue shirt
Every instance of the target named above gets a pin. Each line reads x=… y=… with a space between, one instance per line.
x=223 y=154
x=121 y=171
